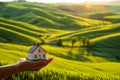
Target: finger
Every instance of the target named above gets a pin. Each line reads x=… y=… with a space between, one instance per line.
x=35 y=63
x=49 y=60
x=41 y=62
x=45 y=62
x=22 y=59
x=38 y=63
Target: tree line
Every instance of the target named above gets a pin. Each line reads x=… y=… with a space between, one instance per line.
x=83 y=41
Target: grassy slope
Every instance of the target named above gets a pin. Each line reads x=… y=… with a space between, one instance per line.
x=15 y=52
x=40 y=15
x=106 y=38
x=15 y=31
x=111 y=14
x=60 y=68
x=27 y=32
x=93 y=32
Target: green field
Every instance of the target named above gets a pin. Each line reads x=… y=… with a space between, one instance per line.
x=27 y=21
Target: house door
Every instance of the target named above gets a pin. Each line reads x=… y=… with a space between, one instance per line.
x=35 y=56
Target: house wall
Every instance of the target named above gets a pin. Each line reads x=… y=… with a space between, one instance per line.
x=37 y=55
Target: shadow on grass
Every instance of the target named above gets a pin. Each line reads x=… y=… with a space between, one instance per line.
x=107 y=54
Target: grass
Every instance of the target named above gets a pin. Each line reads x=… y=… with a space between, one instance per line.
x=20 y=51
x=92 y=32
x=60 y=68
x=20 y=38
x=28 y=20
x=55 y=75
x=25 y=30
x=44 y=17
x=29 y=33
x=28 y=26
x=106 y=36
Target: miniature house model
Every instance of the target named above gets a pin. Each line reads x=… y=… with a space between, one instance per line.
x=36 y=52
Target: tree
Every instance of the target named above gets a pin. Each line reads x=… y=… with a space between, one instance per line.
x=87 y=42
x=47 y=36
x=41 y=39
x=60 y=42
x=74 y=40
x=83 y=41
x=40 y=36
x=86 y=47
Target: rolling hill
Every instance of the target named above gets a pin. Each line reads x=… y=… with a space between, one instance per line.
x=45 y=17
x=27 y=23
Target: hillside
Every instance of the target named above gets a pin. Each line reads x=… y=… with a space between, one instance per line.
x=28 y=23
x=27 y=33
x=15 y=52
x=46 y=16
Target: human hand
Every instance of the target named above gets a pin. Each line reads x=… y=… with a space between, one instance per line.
x=27 y=65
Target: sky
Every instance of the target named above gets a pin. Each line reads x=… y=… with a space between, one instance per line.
x=64 y=1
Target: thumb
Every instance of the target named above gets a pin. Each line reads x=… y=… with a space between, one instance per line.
x=22 y=59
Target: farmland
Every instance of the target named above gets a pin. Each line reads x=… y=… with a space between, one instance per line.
x=27 y=21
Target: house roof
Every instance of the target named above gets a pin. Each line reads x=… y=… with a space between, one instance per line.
x=34 y=47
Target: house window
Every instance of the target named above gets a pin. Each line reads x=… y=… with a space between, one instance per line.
x=44 y=55
x=39 y=50
x=35 y=56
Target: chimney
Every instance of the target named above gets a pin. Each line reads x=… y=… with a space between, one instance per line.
x=34 y=44
x=37 y=44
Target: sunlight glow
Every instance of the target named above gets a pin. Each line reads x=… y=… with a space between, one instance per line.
x=63 y=1
x=68 y=1
x=88 y=6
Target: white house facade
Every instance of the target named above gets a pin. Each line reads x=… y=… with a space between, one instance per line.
x=36 y=53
